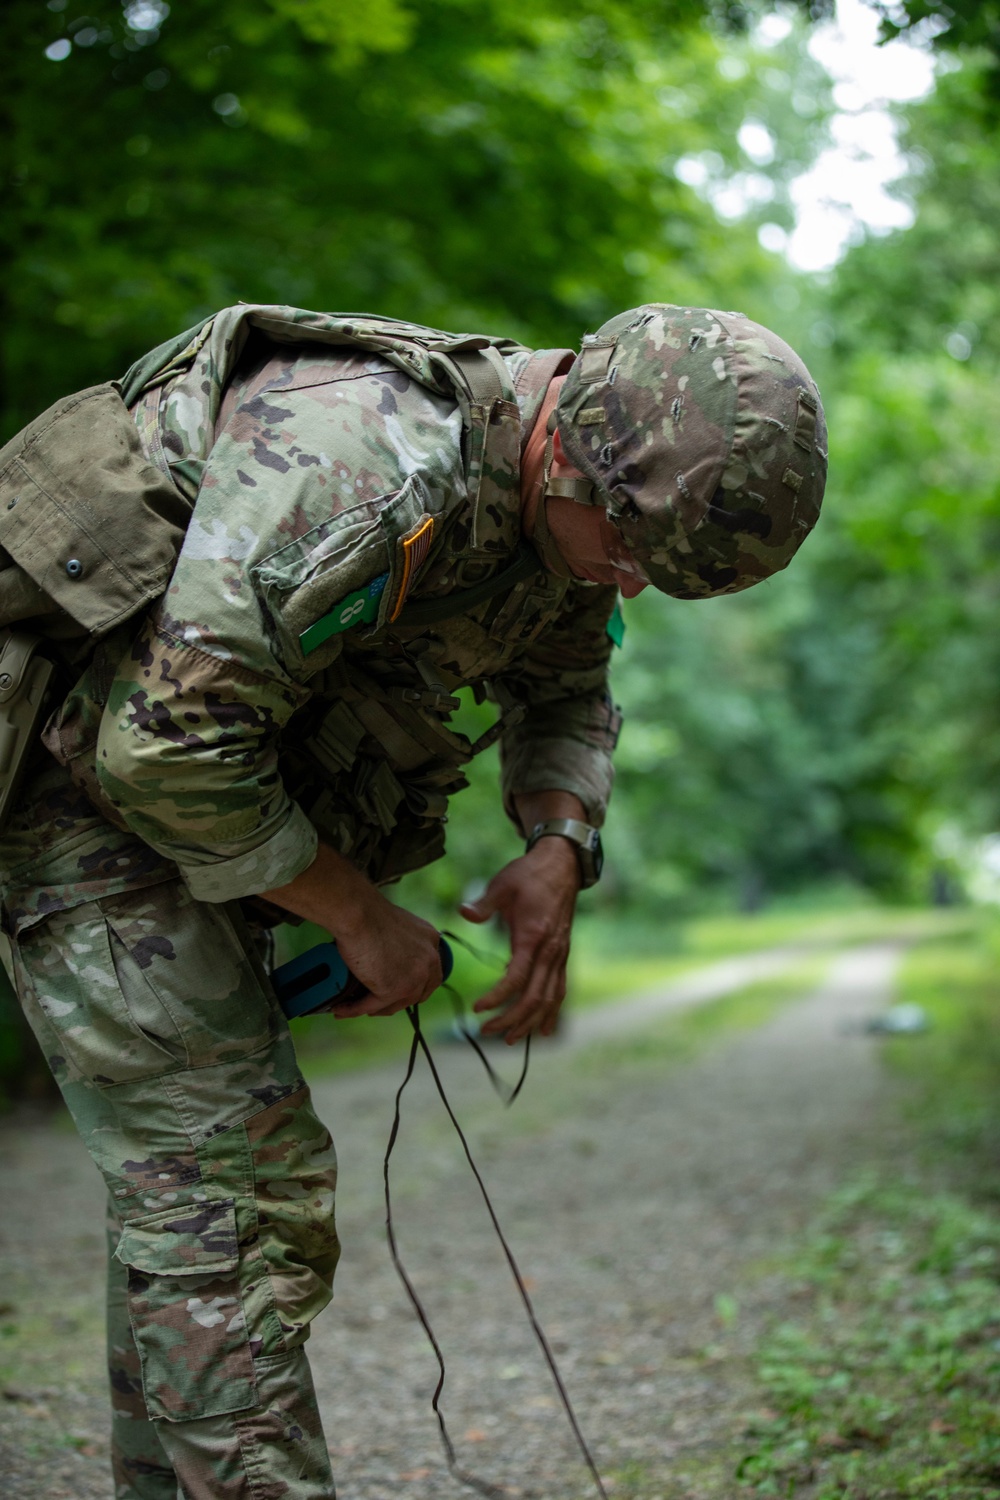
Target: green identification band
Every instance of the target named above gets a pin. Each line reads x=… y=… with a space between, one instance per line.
x=359 y=608
x=616 y=625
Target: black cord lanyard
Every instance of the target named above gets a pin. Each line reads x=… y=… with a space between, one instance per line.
x=419 y=1044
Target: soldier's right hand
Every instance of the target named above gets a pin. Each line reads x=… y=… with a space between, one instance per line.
x=394 y=953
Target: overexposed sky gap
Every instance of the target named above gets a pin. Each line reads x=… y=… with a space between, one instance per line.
x=844 y=192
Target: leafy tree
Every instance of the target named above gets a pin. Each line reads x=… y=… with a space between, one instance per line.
x=500 y=166
x=914 y=290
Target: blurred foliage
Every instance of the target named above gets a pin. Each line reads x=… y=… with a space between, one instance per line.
x=917 y=527
x=494 y=165
x=909 y=291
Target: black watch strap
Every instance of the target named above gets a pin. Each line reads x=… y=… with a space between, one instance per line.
x=584 y=837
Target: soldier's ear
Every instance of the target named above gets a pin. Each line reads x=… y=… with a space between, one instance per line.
x=559 y=458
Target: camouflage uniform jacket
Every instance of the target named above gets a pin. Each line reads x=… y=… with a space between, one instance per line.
x=277 y=691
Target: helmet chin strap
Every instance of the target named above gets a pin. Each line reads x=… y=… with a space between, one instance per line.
x=580 y=490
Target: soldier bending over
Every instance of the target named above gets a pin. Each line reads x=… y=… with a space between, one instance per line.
x=263 y=563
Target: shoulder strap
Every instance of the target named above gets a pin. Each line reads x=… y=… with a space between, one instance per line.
x=163 y=361
x=485 y=391
x=485 y=375
x=533 y=381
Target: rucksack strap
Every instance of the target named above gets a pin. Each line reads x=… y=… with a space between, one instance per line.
x=533 y=381
x=485 y=375
x=167 y=359
x=430 y=611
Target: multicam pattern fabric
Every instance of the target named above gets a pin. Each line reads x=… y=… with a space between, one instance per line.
x=704 y=435
x=315 y=468
x=199 y=374
x=58 y=851
x=214 y=744
x=180 y=1074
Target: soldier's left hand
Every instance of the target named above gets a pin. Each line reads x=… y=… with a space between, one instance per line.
x=536 y=897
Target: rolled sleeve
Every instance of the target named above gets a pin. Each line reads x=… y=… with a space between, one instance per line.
x=289 y=850
x=564 y=765
x=188 y=757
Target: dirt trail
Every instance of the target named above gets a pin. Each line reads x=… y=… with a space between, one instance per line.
x=635 y=1196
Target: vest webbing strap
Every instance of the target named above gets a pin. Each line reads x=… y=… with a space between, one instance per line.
x=485 y=375
x=430 y=611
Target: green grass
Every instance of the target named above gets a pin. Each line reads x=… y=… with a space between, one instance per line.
x=891 y=1386
x=597 y=979
x=601 y=940
x=29 y=1332
x=951 y=1078
x=888 y=1384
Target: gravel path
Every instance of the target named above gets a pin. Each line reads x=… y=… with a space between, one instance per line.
x=641 y=1200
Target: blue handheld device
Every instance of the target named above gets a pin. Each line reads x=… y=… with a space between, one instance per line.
x=319 y=979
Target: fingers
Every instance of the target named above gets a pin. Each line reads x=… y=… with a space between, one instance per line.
x=512 y=982
x=479 y=911
x=533 y=989
x=371 y=1005
x=377 y=1005
x=533 y=1012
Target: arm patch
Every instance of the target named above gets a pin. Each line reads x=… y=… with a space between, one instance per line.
x=358 y=608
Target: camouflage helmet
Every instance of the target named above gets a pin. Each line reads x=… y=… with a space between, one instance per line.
x=703 y=436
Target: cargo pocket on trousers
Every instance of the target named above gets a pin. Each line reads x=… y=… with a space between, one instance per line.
x=187 y=1312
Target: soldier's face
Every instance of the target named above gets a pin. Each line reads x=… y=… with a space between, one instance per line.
x=588 y=543
x=591 y=547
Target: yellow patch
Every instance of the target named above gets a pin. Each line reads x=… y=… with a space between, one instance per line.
x=415 y=548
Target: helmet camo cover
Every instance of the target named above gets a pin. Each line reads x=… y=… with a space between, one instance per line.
x=704 y=437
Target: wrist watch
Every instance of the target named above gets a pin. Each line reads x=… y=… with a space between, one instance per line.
x=587 y=841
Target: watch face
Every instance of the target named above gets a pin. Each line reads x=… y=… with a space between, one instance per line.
x=591 y=856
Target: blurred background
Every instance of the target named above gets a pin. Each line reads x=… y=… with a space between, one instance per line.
x=827 y=743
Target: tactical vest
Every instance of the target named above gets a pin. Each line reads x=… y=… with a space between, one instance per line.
x=90 y=531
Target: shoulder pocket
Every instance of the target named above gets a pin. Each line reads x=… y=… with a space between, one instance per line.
x=319 y=575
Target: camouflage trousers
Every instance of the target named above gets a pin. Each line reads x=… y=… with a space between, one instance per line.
x=175 y=1061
